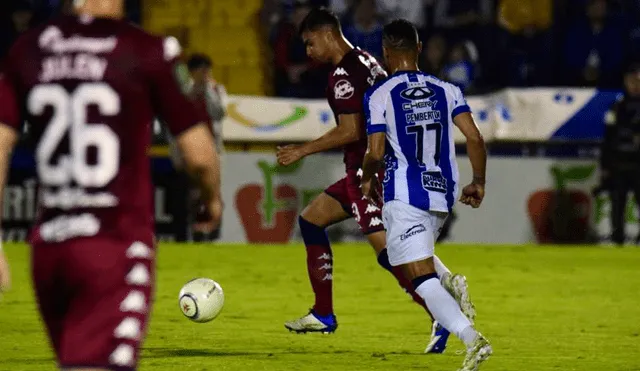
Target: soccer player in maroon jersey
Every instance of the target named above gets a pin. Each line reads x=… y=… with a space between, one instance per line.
x=90 y=86
x=353 y=73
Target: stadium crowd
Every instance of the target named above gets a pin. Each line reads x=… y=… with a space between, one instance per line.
x=480 y=45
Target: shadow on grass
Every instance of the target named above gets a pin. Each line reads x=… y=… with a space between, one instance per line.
x=174 y=352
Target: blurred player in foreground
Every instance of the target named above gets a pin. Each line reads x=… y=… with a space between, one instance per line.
x=353 y=73
x=410 y=120
x=90 y=92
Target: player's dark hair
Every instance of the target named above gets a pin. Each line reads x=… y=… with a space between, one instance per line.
x=199 y=61
x=400 y=34
x=318 y=18
x=633 y=67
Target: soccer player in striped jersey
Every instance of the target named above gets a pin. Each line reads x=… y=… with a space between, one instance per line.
x=410 y=119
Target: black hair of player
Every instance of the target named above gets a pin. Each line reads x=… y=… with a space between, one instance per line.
x=400 y=35
x=199 y=61
x=633 y=67
x=318 y=18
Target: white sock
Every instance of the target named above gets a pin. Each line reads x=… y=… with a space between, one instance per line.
x=441 y=269
x=468 y=336
x=446 y=310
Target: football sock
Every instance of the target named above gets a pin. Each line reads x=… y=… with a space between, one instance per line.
x=383 y=260
x=444 y=307
x=441 y=269
x=319 y=265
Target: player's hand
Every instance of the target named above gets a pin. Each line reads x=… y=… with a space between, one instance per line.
x=472 y=195
x=211 y=222
x=370 y=190
x=5 y=274
x=287 y=155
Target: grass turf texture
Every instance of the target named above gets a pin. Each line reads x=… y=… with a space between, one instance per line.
x=543 y=308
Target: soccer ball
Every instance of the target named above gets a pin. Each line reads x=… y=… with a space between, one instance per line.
x=201 y=299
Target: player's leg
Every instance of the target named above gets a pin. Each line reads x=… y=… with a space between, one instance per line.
x=411 y=243
x=456 y=284
x=107 y=317
x=378 y=241
x=439 y=335
x=618 y=206
x=323 y=211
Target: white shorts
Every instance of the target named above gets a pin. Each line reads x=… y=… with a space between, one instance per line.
x=411 y=232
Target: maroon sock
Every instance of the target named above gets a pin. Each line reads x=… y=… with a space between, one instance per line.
x=383 y=260
x=319 y=266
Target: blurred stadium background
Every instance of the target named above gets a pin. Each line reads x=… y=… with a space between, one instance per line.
x=540 y=76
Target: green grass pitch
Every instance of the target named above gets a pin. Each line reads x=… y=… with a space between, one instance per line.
x=543 y=308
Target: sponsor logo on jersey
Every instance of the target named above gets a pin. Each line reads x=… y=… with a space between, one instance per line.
x=417 y=93
x=420 y=104
x=53 y=40
x=416 y=229
x=340 y=72
x=343 y=89
x=434 y=181
x=422 y=116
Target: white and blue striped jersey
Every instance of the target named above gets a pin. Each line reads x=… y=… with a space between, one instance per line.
x=415 y=111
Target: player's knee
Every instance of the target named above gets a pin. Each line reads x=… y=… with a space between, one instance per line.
x=312 y=234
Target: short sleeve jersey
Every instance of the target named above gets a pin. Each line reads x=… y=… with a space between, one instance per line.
x=90 y=90
x=416 y=112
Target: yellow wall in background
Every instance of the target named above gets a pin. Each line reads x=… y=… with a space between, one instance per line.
x=226 y=30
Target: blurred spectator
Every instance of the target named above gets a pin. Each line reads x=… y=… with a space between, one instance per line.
x=210 y=97
x=364 y=30
x=414 y=11
x=461 y=18
x=461 y=70
x=516 y=15
x=594 y=48
x=209 y=93
x=528 y=58
x=343 y=8
x=528 y=43
x=274 y=11
x=295 y=74
x=20 y=17
x=434 y=56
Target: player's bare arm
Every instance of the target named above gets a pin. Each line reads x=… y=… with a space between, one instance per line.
x=203 y=164
x=371 y=165
x=473 y=194
x=348 y=131
x=8 y=138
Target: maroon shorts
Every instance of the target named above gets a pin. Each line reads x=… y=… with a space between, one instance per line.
x=95 y=297
x=347 y=191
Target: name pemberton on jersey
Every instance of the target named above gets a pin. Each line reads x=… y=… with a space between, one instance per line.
x=422 y=116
